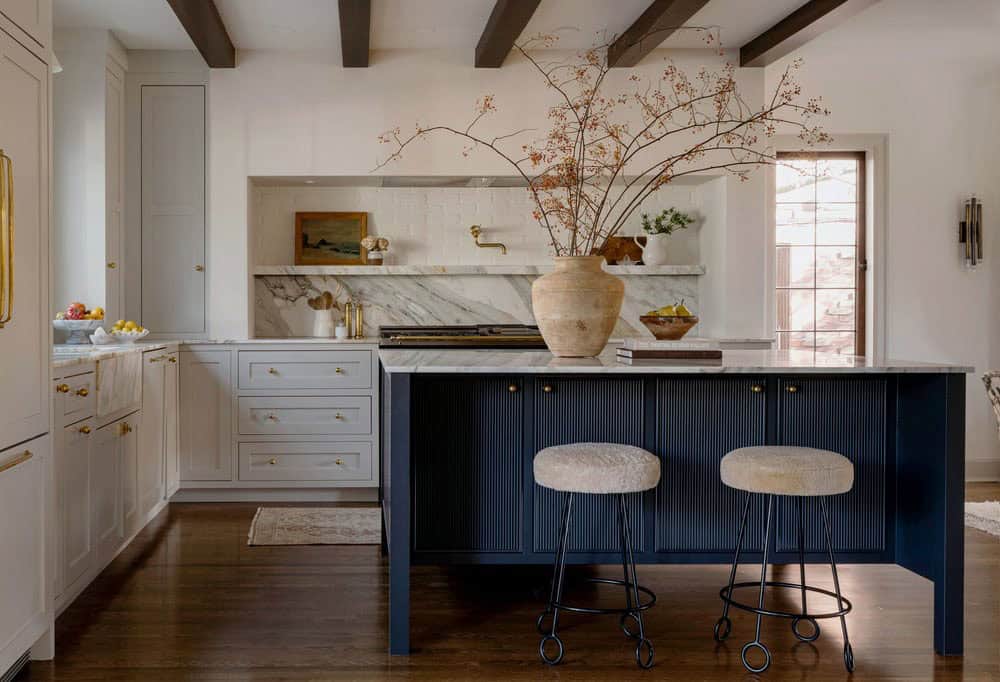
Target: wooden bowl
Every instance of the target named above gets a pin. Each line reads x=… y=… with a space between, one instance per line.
x=668 y=327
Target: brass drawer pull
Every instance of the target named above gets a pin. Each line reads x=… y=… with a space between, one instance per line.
x=82 y=392
x=199 y=268
x=512 y=388
x=272 y=370
x=63 y=388
x=547 y=388
x=339 y=416
x=339 y=462
x=273 y=417
x=85 y=430
x=757 y=388
x=792 y=388
x=339 y=370
x=112 y=265
x=18 y=459
x=172 y=358
x=273 y=461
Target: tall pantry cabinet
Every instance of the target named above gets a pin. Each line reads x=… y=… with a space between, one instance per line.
x=25 y=336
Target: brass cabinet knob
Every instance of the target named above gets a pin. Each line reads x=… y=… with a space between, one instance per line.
x=273 y=417
x=82 y=392
x=757 y=388
x=172 y=358
x=63 y=388
x=512 y=388
x=272 y=370
x=792 y=388
x=85 y=430
x=547 y=388
x=124 y=429
x=338 y=416
x=339 y=462
x=339 y=370
x=112 y=265
x=199 y=268
x=273 y=461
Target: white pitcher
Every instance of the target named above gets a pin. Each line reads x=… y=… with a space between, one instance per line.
x=655 y=251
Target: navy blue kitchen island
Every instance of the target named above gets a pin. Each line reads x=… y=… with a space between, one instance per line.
x=460 y=429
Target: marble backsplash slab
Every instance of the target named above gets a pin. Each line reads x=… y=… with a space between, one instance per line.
x=282 y=309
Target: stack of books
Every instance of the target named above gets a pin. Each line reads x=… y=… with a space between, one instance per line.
x=684 y=349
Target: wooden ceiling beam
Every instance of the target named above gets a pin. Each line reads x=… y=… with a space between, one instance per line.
x=202 y=21
x=355 y=32
x=507 y=20
x=656 y=24
x=798 y=28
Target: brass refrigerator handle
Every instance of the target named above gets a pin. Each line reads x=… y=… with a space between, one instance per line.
x=16 y=461
x=6 y=238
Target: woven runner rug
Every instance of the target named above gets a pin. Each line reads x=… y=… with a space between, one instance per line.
x=316 y=526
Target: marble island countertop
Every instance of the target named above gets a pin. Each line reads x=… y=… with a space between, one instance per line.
x=454 y=361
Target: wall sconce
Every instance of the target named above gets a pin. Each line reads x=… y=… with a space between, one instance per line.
x=970 y=232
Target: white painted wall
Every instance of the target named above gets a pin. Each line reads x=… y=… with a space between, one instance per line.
x=925 y=74
x=285 y=113
x=78 y=164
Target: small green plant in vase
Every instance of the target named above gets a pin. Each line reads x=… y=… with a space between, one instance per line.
x=659 y=228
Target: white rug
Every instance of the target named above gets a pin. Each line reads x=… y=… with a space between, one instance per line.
x=316 y=526
x=983 y=515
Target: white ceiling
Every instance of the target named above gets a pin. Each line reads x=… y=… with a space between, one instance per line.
x=404 y=24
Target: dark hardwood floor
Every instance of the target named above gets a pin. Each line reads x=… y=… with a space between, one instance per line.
x=188 y=600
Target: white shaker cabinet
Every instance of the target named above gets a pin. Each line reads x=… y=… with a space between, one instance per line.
x=76 y=550
x=24 y=613
x=158 y=432
x=173 y=210
x=128 y=432
x=106 y=489
x=171 y=425
x=206 y=415
x=24 y=317
x=32 y=18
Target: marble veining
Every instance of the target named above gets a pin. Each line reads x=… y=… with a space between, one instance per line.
x=71 y=355
x=282 y=310
x=445 y=361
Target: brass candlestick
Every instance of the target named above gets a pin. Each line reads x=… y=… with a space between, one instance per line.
x=359 y=322
x=349 y=318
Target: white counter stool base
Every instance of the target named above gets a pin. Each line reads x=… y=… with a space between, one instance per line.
x=597 y=469
x=796 y=472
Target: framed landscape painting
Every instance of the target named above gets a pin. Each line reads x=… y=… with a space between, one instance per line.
x=330 y=238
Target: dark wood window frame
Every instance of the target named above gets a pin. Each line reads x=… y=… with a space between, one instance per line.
x=861 y=247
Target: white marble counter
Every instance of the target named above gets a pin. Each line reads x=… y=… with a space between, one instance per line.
x=443 y=361
x=285 y=340
x=411 y=270
x=68 y=355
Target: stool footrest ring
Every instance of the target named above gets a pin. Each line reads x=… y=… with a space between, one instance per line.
x=724 y=595
x=609 y=581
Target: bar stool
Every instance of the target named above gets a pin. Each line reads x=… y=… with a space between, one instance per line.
x=597 y=469
x=792 y=472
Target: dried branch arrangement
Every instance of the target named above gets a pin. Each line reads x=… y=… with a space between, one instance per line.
x=605 y=154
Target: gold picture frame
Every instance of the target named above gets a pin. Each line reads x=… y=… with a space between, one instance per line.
x=330 y=238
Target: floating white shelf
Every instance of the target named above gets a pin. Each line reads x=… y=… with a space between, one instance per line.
x=339 y=270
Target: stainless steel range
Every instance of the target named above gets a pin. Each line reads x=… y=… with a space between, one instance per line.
x=462 y=336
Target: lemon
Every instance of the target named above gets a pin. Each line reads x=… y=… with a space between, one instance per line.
x=130 y=326
x=667 y=311
x=682 y=311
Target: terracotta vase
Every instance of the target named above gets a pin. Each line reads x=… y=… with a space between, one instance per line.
x=576 y=306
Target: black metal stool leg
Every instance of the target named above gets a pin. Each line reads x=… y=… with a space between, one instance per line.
x=555 y=594
x=724 y=622
x=643 y=661
x=848 y=651
x=629 y=613
x=756 y=643
x=814 y=635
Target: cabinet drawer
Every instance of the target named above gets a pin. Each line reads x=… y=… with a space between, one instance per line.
x=78 y=398
x=342 y=415
x=305 y=461
x=306 y=369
